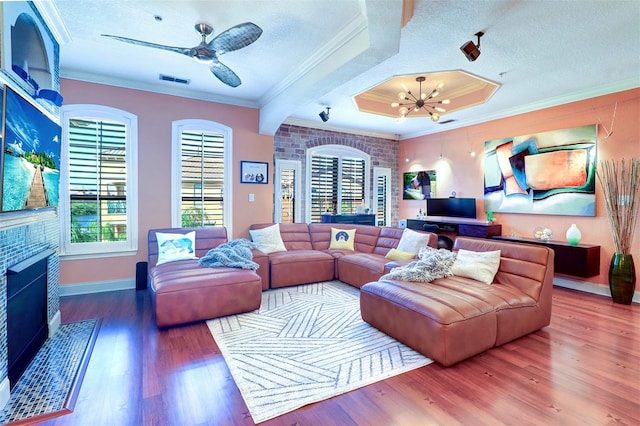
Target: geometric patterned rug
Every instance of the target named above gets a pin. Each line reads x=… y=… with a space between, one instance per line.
x=305 y=344
x=49 y=386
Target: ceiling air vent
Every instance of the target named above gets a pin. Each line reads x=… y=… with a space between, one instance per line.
x=446 y=121
x=174 y=79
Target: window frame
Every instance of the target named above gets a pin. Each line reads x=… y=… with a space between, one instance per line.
x=339 y=151
x=198 y=125
x=108 y=248
x=382 y=172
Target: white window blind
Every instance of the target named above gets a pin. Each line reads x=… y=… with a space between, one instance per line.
x=324 y=185
x=352 y=185
x=97 y=180
x=202 y=179
x=98 y=185
x=381 y=199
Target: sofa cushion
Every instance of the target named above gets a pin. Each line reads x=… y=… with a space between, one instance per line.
x=478 y=265
x=412 y=241
x=268 y=240
x=342 y=239
x=175 y=246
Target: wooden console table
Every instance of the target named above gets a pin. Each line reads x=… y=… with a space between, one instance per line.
x=464 y=228
x=582 y=260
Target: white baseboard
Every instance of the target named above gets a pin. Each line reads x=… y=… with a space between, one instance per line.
x=588 y=287
x=97 y=287
x=54 y=324
x=5 y=392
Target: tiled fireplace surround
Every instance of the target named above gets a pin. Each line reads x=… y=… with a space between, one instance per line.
x=21 y=237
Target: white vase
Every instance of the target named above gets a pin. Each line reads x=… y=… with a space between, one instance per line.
x=573 y=235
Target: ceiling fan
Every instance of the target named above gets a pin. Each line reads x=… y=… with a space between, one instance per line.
x=232 y=39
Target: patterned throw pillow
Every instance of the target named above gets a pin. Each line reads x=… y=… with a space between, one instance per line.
x=172 y=247
x=342 y=239
x=268 y=240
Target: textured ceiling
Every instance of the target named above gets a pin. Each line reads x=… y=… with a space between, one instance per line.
x=314 y=54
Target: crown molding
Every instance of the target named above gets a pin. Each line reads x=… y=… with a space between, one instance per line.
x=155 y=88
x=52 y=18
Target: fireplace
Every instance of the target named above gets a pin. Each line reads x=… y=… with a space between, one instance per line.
x=27 y=322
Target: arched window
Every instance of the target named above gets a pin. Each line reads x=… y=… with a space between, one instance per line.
x=201 y=170
x=337 y=181
x=98 y=181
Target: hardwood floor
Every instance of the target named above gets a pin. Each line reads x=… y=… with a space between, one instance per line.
x=584 y=369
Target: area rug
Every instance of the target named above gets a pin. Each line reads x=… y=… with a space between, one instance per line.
x=305 y=344
x=49 y=386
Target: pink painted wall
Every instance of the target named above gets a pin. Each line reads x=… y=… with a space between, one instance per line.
x=155 y=114
x=449 y=154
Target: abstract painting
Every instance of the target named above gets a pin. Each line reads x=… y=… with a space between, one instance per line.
x=544 y=173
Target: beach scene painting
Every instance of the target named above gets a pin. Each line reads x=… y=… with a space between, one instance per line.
x=31 y=156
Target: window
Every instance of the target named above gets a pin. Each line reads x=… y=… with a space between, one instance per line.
x=98 y=203
x=200 y=152
x=338 y=180
x=287 y=201
x=382 y=194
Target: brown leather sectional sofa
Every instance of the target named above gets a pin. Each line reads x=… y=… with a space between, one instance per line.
x=183 y=291
x=448 y=320
x=309 y=259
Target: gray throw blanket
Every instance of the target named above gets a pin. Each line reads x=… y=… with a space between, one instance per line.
x=233 y=254
x=431 y=264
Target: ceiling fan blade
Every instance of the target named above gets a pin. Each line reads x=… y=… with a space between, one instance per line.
x=182 y=50
x=225 y=74
x=235 y=38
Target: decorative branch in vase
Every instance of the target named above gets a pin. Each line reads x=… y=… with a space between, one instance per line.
x=620 y=182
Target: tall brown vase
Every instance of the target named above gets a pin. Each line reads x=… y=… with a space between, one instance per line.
x=622 y=278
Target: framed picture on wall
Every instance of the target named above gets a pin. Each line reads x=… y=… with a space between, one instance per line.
x=254 y=172
x=419 y=185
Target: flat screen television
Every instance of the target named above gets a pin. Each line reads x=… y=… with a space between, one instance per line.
x=452 y=207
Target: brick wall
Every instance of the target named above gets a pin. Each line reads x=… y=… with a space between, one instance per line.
x=292 y=142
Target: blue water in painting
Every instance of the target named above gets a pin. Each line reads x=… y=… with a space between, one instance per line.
x=51 y=179
x=18 y=174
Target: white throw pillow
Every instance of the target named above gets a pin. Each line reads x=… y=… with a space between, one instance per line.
x=478 y=265
x=172 y=247
x=412 y=241
x=268 y=240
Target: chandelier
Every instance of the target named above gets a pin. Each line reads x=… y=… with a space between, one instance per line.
x=409 y=102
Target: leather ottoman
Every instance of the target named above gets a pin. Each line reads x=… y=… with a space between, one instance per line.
x=444 y=325
x=183 y=292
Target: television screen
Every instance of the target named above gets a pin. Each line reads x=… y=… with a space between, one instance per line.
x=31 y=156
x=452 y=207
